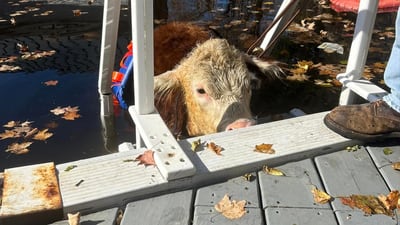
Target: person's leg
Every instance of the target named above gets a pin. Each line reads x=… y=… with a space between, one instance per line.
x=376 y=120
x=392 y=71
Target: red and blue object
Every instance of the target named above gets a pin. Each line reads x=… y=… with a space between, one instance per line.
x=120 y=78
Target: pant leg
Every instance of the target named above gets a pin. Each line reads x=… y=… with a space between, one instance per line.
x=392 y=71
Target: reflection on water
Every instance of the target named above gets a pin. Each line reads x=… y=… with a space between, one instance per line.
x=74 y=66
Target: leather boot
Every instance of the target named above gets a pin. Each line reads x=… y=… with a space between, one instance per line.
x=366 y=122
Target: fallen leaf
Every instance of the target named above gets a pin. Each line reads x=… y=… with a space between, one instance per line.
x=370 y=204
x=264 y=148
x=26 y=123
x=147 y=158
x=74 y=219
x=215 y=148
x=8 y=134
x=396 y=165
x=19 y=149
x=248 y=176
x=76 y=12
x=320 y=197
x=195 y=145
x=387 y=151
x=31 y=133
x=11 y=124
x=273 y=171
x=71 y=115
x=43 y=135
x=71 y=109
x=231 y=209
x=391 y=200
x=51 y=82
x=69 y=168
x=58 y=111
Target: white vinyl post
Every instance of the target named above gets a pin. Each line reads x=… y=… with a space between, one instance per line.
x=359 y=47
x=142 y=38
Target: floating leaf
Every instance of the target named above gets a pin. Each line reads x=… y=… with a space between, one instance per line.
x=31 y=133
x=215 y=148
x=8 y=134
x=43 y=135
x=387 y=151
x=273 y=171
x=147 y=158
x=69 y=168
x=19 y=149
x=51 y=82
x=26 y=123
x=320 y=197
x=58 y=111
x=11 y=124
x=71 y=115
x=195 y=144
x=264 y=148
x=396 y=165
x=231 y=209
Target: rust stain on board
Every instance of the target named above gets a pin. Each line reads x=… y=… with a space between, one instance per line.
x=31 y=193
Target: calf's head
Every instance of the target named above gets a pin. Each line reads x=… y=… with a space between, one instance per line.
x=208 y=92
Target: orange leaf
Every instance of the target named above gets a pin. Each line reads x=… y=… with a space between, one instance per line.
x=8 y=134
x=264 y=148
x=51 y=83
x=391 y=200
x=370 y=204
x=43 y=135
x=11 y=124
x=147 y=158
x=58 y=111
x=396 y=165
x=215 y=148
x=231 y=209
x=19 y=149
x=320 y=197
x=71 y=115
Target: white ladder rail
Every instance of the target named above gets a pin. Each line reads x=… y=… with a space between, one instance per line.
x=357 y=57
x=171 y=160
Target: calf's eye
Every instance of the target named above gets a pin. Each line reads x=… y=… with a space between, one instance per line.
x=201 y=91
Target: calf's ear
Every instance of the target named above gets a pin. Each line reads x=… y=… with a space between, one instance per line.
x=170 y=102
x=263 y=73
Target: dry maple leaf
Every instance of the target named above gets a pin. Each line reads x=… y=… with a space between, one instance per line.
x=215 y=148
x=11 y=124
x=391 y=200
x=70 y=115
x=43 y=135
x=320 y=197
x=231 y=209
x=58 y=111
x=19 y=149
x=273 y=171
x=71 y=109
x=147 y=158
x=51 y=82
x=8 y=134
x=31 y=133
x=74 y=219
x=369 y=204
x=195 y=144
x=264 y=148
x=396 y=165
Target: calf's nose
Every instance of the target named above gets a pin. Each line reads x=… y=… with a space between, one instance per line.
x=240 y=123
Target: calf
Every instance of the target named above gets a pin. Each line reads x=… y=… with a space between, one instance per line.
x=210 y=90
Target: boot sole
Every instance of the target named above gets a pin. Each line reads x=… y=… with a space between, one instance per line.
x=350 y=134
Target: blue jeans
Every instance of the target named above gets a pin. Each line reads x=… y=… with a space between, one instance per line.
x=392 y=71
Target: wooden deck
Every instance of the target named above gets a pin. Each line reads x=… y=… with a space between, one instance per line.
x=276 y=199
x=106 y=188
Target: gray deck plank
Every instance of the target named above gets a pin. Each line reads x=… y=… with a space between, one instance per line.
x=384 y=163
x=105 y=217
x=292 y=190
x=237 y=188
x=358 y=217
x=299 y=216
x=345 y=173
x=168 y=209
x=207 y=215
